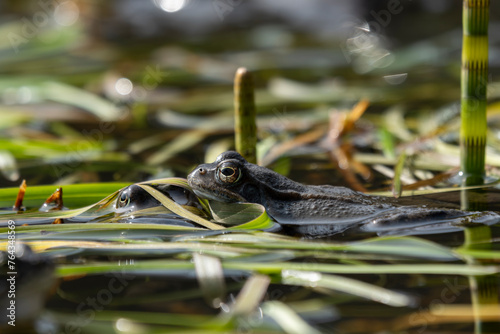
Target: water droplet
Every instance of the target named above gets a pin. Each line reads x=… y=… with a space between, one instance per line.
x=124 y=86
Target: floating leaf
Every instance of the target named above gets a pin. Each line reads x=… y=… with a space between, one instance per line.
x=241 y=215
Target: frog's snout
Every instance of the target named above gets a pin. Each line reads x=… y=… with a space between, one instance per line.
x=197 y=172
x=193 y=178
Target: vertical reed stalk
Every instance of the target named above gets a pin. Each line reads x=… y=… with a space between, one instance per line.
x=484 y=289
x=474 y=84
x=244 y=115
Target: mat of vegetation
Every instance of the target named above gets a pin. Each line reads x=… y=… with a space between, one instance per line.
x=92 y=114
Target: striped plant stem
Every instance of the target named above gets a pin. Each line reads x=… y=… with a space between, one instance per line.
x=484 y=289
x=474 y=85
x=244 y=115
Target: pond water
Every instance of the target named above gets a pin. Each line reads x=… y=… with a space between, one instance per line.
x=96 y=96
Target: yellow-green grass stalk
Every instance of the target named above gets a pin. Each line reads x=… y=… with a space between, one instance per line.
x=474 y=84
x=244 y=115
x=484 y=289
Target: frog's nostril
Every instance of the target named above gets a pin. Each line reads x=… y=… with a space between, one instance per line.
x=202 y=171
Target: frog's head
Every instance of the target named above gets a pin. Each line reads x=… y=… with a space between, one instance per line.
x=221 y=180
x=133 y=197
x=230 y=178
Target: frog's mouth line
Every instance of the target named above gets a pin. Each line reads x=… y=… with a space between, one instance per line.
x=220 y=194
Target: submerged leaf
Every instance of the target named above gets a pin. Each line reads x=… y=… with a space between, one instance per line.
x=346 y=285
x=251 y=295
x=210 y=277
x=288 y=320
x=404 y=246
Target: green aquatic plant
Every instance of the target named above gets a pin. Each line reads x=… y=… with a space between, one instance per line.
x=474 y=86
x=281 y=284
x=244 y=115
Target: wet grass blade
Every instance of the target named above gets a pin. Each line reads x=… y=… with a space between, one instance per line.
x=95 y=104
x=430 y=269
x=346 y=285
x=210 y=278
x=277 y=267
x=178 y=209
x=287 y=319
x=397 y=186
x=75 y=195
x=251 y=295
x=401 y=247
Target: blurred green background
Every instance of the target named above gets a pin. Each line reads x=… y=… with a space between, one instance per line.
x=130 y=90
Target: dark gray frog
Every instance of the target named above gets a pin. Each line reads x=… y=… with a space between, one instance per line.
x=133 y=201
x=319 y=210
x=133 y=197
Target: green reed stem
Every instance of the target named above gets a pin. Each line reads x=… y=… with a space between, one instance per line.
x=244 y=115
x=484 y=289
x=474 y=85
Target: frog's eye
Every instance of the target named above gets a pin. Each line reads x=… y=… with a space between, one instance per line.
x=124 y=199
x=228 y=173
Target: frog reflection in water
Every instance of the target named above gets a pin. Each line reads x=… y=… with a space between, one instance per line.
x=315 y=210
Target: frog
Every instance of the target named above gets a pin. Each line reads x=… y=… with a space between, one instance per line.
x=316 y=210
x=132 y=201
x=133 y=197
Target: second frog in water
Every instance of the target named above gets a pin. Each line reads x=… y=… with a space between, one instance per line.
x=318 y=210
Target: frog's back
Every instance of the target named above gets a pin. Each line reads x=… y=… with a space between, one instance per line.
x=327 y=204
